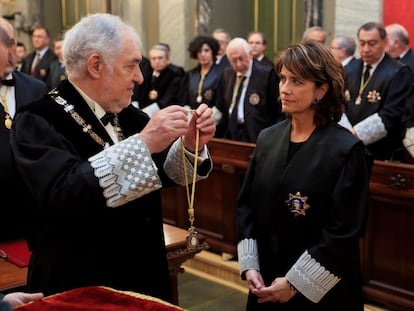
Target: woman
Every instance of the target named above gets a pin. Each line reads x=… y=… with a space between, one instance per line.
x=302 y=207
x=200 y=83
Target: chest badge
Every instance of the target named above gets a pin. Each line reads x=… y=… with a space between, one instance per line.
x=297 y=204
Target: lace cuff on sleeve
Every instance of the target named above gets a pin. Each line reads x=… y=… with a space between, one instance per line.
x=248 y=255
x=310 y=278
x=125 y=171
x=173 y=166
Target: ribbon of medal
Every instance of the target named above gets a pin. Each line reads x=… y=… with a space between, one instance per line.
x=192 y=239
x=361 y=89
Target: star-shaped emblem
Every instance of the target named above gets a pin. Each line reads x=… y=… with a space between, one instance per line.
x=297 y=204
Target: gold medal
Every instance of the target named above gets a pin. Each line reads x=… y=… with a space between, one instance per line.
x=153 y=95
x=192 y=239
x=358 y=100
x=199 y=99
x=8 y=121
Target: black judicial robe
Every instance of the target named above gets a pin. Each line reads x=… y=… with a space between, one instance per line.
x=261 y=105
x=331 y=169
x=386 y=94
x=14 y=195
x=190 y=83
x=75 y=238
x=166 y=87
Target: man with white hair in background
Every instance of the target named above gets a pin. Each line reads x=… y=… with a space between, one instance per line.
x=343 y=49
x=398 y=44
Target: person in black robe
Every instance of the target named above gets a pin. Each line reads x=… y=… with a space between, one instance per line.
x=377 y=89
x=199 y=84
x=94 y=163
x=303 y=204
x=161 y=83
x=16 y=90
x=247 y=107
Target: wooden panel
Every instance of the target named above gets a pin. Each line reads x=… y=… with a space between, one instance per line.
x=388 y=252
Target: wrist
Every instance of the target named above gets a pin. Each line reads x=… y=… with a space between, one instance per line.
x=291 y=287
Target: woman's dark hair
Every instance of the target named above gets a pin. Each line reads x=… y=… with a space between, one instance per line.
x=196 y=44
x=313 y=61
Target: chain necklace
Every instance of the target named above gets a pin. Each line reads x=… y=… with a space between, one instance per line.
x=192 y=239
x=7 y=118
x=362 y=86
x=199 y=98
x=86 y=128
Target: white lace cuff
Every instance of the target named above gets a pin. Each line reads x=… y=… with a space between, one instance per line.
x=248 y=255
x=310 y=278
x=371 y=129
x=174 y=167
x=408 y=141
x=125 y=171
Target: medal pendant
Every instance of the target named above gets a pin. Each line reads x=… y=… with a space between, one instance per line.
x=153 y=95
x=198 y=99
x=358 y=100
x=8 y=122
x=192 y=239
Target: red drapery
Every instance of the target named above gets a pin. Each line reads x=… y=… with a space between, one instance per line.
x=401 y=12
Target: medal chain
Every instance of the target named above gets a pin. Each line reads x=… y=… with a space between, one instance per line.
x=190 y=198
x=200 y=88
x=7 y=118
x=362 y=86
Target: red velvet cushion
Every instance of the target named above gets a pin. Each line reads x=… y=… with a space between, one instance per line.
x=94 y=298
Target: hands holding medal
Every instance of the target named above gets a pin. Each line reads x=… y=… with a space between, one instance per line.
x=174 y=121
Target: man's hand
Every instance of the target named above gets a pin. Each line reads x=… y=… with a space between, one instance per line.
x=202 y=120
x=17 y=299
x=165 y=127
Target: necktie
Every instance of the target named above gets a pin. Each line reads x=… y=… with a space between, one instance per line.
x=367 y=73
x=108 y=118
x=236 y=92
x=35 y=62
x=113 y=119
x=8 y=82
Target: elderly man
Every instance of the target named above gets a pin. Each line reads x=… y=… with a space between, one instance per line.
x=161 y=82
x=397 y=46
x=95 y=164
x=247 y=96
x=343 y=49
x=16 y=90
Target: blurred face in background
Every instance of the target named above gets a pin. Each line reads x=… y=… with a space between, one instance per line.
x=40 y=39
x=21 y=53
x=221 y=37
x=205 y=55
x=159 y=60
x=257 y=45
x=57 y=48
x=239 y=59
